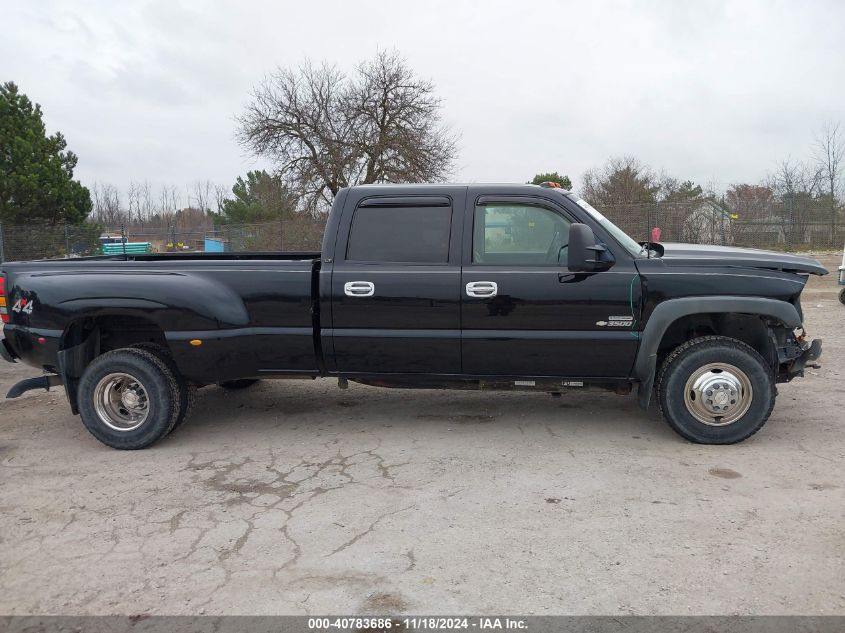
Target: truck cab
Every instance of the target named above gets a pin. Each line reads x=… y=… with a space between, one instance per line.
x=474 y=281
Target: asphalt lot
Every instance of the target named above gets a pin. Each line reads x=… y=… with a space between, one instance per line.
x=294 y=497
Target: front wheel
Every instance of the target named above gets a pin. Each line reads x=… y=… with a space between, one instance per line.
x=128 y=398
x=842 y=296
x=715 y=390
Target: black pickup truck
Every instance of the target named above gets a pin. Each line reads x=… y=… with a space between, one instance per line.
x=518 y=287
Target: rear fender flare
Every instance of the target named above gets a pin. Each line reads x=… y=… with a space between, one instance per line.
x=671 y=310
x=182 y=300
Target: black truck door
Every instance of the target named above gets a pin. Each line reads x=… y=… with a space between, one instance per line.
x=523 y=312
x=395 y=286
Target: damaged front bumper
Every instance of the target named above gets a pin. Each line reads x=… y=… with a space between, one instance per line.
x=809 y=355
x=796 y=353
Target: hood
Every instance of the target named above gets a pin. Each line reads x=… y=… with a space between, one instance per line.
x=706 y=255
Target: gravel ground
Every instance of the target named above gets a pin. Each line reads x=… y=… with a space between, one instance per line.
x=294 y=497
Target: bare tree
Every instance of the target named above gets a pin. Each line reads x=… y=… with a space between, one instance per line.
x=698 y=228
x=221 y=194
x=398 y=133
x=795 y=185
x=829 y=154
x=133 y=196
x=750 y=202
x=168 y=206
x=169 y=200
x=326 y=130
x=200 y=196
x=622 y=180
x=147 y=203
x=108 y=208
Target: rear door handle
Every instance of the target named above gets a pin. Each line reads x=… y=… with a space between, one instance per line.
x=359 y=288
x=483 y=289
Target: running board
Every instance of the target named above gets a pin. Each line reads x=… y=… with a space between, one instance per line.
x=42 y=382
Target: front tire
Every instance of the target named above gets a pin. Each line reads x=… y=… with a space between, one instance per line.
x=128 y=398
x=715 y=390
x=842 y=296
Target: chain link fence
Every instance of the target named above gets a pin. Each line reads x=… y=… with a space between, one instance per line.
x=781 y=228
x=45 y=241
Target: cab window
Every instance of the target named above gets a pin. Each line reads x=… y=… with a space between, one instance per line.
x=519 y=235
x=414 y=235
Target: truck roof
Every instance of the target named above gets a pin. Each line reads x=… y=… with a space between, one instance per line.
x=404 y=189
x=441 y=185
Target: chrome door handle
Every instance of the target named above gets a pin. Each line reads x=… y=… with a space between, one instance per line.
x=359 y=288
x=482 y=289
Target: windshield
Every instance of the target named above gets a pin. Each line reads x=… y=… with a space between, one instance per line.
x=630 y=244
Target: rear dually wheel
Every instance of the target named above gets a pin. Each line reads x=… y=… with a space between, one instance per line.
x=128 y=398
x=187 y=390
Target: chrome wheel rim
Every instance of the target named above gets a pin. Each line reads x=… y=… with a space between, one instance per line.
x=121 y=402
x=718 y=394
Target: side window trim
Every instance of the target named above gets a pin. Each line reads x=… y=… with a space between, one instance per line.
x=406 y=201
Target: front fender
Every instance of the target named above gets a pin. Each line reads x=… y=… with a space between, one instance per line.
x=667 y=312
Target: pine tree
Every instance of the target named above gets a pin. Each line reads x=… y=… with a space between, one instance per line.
x=36 y=170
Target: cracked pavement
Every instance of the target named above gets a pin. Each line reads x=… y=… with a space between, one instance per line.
x=294 y=497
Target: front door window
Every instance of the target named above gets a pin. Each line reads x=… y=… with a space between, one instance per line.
x=519 y=235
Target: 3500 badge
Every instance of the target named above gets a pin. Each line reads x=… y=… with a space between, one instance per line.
x=23 y=305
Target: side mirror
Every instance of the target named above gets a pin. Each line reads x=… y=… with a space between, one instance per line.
x=584 y=251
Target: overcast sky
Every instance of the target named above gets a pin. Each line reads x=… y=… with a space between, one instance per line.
x=712 y=91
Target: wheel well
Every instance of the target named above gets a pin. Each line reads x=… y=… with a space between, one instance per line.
x=113 y=332
x=85 y=339
x=748 y=328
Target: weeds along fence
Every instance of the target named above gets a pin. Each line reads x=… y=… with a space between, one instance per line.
x=780 y=228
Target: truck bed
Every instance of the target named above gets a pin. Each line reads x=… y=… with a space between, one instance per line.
x=252 y=313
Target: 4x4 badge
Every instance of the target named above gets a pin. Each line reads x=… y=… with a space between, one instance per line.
x=23 y=305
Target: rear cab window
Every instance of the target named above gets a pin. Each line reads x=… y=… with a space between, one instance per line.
x=400 y=234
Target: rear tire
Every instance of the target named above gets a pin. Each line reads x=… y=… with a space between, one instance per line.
x=241 y=383
x=128 y=398
x=187 y=390
x=842 y=296
x=715 y=390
